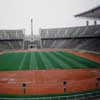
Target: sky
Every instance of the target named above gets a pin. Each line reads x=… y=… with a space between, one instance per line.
x=16 y=14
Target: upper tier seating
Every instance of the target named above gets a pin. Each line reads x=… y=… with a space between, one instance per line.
x=84 y=37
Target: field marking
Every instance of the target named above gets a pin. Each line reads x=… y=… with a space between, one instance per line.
x=47 y=60
x=42 y=59
x=86 y=63
x=21 y=64
x=30 y=61
x=39 y=61
x=68 y=59
x=58 y=61
x=75 y=60
x=35 y=67
x=19 y=67
x=53 y=61
x=36 y=63
x=60 y=57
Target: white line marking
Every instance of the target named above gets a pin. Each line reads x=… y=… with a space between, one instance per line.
x=21 y=64
x=19 y=67
x=30 y=61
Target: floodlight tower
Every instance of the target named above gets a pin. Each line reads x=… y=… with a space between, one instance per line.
x=31 y=29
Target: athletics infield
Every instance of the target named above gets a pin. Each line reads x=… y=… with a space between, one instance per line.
x=44 y=72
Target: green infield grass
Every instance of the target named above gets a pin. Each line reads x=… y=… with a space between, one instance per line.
x=44 y=61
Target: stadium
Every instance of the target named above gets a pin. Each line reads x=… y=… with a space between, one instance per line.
x=60 y=64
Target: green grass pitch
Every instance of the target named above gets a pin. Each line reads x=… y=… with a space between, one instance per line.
x=44 y=60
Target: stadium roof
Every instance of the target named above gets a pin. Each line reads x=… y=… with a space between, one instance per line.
x=92 y=13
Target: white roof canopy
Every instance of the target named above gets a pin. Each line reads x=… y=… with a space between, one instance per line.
x=93 y=13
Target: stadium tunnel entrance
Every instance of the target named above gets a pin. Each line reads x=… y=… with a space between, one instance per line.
x=32 y=46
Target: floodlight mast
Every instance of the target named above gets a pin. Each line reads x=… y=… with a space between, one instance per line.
x=31 y=29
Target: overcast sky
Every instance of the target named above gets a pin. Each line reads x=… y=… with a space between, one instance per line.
x=16 y=14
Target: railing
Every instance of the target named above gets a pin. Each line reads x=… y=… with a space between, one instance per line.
x=81 y=96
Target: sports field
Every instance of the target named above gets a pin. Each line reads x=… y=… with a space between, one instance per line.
x=44 y=60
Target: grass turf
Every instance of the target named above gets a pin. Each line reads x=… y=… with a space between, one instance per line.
x=44 y=60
